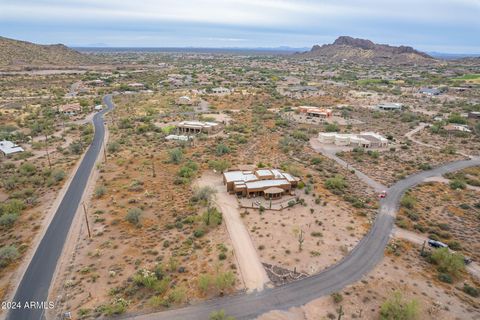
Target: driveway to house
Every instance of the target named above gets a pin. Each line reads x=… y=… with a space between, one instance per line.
x=36 y=281
x=330 y=152
x=251 y=269
x=361 y=260
x=473 y=268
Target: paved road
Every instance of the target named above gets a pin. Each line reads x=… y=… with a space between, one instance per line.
x=38 y=276
x=362 y=259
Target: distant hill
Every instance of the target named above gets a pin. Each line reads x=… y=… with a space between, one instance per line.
x=22 y=53
x=365 y=51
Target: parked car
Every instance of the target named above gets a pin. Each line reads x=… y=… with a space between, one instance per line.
x=436 y=244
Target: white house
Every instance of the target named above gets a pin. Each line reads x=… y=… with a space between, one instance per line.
x=8 y=147
x=364 y=139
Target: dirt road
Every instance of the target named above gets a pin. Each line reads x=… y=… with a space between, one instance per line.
x=252 y=271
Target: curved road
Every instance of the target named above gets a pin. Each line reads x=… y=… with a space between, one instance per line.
x=362 y=259
x=36 y=281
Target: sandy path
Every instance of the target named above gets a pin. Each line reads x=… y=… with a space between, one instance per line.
x=473 y=268
x=252 y=271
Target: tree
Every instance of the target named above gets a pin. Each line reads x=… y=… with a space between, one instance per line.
x=204 y=282
x=204 y=194
x=408 y=201
x=397 y=308
x=448 y=262
x=219 y=165
x=225 y=280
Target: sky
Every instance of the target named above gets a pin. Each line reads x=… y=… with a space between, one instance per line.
x=449 y=26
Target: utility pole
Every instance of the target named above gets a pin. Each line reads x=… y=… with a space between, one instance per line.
x=422 y=253
x=46 y=149
x=86 y=220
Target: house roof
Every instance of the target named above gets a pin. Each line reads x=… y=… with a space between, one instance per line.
x=8 y=147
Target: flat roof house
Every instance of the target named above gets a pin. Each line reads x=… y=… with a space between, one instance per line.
x=194 y=127
x=389 y=106
x=269 y=183
x=315 y=112
x=363 y=140
x=8 y=148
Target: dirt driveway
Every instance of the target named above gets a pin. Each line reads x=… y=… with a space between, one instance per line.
x=252 y=271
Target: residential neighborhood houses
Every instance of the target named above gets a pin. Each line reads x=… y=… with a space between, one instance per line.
x=195 y=127
x=389 y=106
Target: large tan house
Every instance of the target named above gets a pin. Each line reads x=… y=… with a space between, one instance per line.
x=269 y=183
x=194 y=127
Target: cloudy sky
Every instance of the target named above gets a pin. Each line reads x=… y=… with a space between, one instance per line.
x=431 y=25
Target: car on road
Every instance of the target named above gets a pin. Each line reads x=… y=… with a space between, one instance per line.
x=382 y=194
x=436 y=244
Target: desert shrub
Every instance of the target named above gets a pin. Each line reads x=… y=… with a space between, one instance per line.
x=300 y=135
x=8 y=220
x=212 y=217
x=448 y=262
x=175 y=155
x=178 y=294
x=472 y=291
x=57 y=175
x=204 y=282
x=203 y=194
x=408 y=201
x=113 y=147
x=100 y=191
x=198 y=233
x=133 y=215
x=397 y=308
x=332 y=127
x=75 y=148
x=337 y=297
x=12 y=206
x=457 y=184
x=337 y=183
x=219 y=165
x=225 y=280
x=7 y=255
x=316 y=160
x=27 y=169
x=222 y=149
x=445 y=277
x=117 y=306
x=219 y=315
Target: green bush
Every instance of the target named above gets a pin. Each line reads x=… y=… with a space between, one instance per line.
x=472 y=291
x=212 y=217
x=222 y=149
x=444 y=277
x=220 y=315
x=100 y=191
x=27 y=169
x=133 y=215
x=176 y=155
x=397 y=308
x=457 y=184
x=113 y=147
x=8 y=220
x=408 y=201
x=448 y=262
x=58 y=175
x=7 y=255
x=336 y=183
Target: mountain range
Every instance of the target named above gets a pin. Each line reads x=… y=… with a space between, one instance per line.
x=22 y=53
x=356 y=50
